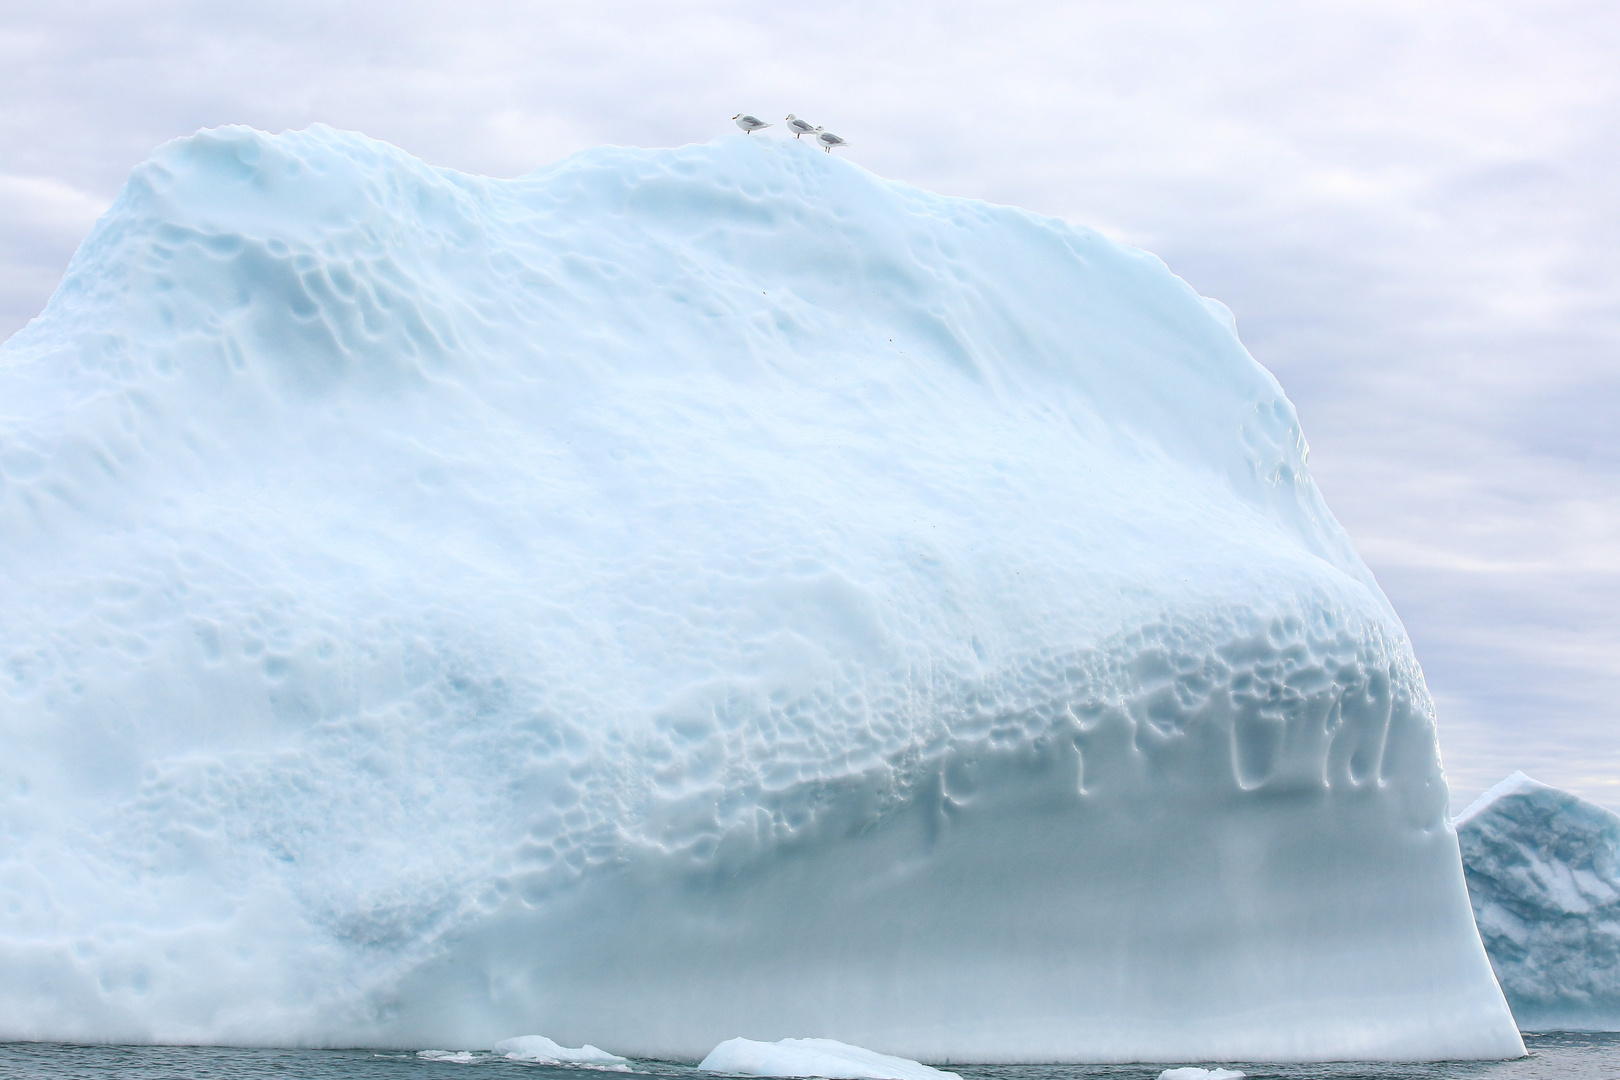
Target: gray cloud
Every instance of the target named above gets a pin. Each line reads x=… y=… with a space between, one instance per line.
x=1413 y=210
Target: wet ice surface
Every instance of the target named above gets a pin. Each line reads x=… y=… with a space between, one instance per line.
x=1565 y=1056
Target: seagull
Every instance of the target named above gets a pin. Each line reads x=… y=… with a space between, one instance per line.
x=828 y=140
x=800 y=127
x=749 y=124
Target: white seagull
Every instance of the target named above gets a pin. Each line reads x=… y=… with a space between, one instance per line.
x=749 y=124
x=800 y=127
x=828 y=140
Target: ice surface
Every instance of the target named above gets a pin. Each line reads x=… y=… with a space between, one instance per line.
x=680 y=593
x=538 y=1048
x=1193 y=1072
x=1543 y=869
x=815 y=1057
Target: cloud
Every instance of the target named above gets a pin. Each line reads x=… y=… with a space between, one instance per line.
x=41 y=223
x=1412 y=209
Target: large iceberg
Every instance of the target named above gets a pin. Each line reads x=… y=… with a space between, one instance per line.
x=1543 y=869
x=680 y=594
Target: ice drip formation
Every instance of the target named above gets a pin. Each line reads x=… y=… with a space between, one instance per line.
x=686 y=594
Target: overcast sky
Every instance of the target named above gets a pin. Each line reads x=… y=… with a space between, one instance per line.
x=1413 y=208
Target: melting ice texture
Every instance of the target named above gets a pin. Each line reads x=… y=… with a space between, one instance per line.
x=688 y=593
x=1543 y=869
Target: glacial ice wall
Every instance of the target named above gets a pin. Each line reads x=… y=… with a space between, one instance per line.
x=687 y=594
x=1543 y=871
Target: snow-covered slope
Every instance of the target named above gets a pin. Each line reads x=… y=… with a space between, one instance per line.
x=1543 y=868
x=683 y=594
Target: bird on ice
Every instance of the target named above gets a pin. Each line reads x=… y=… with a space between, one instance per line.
x=749 y=124
x=828 y=140
x=800 y=127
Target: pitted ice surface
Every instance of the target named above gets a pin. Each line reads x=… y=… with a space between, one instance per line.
x=687 y=593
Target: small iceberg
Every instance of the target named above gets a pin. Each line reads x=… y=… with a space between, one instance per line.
x=1193 y=1072
x=815 y=1057
x=452 y=1057
x=542 y=1051
x=1543 y=872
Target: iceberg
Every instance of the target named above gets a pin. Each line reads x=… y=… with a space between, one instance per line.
x=686 y=592
x=814 y=1057
x=1194 y=1072
x=539 y=1049
x=452 y=1057
x=1543 y=871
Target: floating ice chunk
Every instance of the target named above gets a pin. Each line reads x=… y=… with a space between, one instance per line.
x=453 y=1057
x=1193 y=1072
x=1543 y=870
x=815 y=1057
x=538 y=1048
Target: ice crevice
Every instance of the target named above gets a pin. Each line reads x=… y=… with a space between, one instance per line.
x=682 y=593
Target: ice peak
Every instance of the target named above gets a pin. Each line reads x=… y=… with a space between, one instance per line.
x=1514 y=784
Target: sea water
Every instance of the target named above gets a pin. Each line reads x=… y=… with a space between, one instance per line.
x=1565 y=1056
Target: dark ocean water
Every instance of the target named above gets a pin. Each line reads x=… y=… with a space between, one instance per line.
x=1562 y=1055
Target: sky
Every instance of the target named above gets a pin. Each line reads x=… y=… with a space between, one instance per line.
x=1413 y=209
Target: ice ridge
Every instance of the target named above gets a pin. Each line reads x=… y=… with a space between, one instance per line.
x=1543 y=870
x=682 y=593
